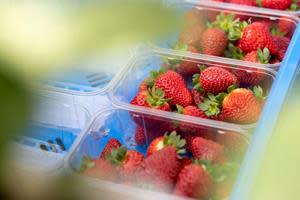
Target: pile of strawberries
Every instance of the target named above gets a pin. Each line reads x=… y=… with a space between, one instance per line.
x=218 y=93
x=242 y=37
x=194 y=167
x=290 y=5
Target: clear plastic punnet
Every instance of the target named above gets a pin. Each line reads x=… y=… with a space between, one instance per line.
x=141 y=67
x=198 y=16
x=49 y=135
x=123 y=124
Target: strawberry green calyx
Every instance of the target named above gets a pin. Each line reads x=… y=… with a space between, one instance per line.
x=211 y=105
x=230 y=25
x=86 y=163
x=276 y=32
x=259 y=93
x=153 y=76
x=196 y=83
x=117 y=156
x=264 y=56
x=233 y=51
x=180 y=109
x=231 y=88
x=294 y=6
x=156 y=97
x=181 y=47
x=259 y=4
x=219 y=173
x=175 y=141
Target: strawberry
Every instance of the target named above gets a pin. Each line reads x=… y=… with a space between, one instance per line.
x=258 y=56
x=197 y=96
x=101 y=169
x=152 y=99
x=208 y=150
x=256 y=36
x=276 y=4
x=265 y=21
x=193 y=181
x=174 y=88
x=286 y=27
x=172 y=139
x=216 y=80
x=213 y=41
x=161 y=169
x=127 y=161
x=111 y=144
x=183 y=66
x=244 y=2
x=143 y=86
x=235 y=143
x=241 y=106
x=283 y=44
x=139 y=136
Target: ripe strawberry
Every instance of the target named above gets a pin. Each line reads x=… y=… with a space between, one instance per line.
x=193 y=181
x=244 y=2
x=283 y=44
x=241 y=106
x=111 y=144
x=161 y=169
x=173 y=140
x=213 y=41
x=197 y=96
x=208 y=150
x=127 y=161
x=235 y=143
x=256 y=36
x=174 y=88
x=143 y=86
x=152 y=99
x=286 y=27
x=216 y=80
x=258 y=56
x=139 y=136
x=276 y=4
x=268 y=24
x=99 y=168
x=183 y=66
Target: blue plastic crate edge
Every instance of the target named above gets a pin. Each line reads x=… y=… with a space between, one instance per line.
x=263 y=132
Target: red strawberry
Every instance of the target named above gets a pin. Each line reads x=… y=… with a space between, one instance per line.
x=151 y=99
x=101 y=169
x=143 y=86
x=276 y=4
x=173 y=140
x=286 y=27
x=244 y=2
x=127 y=161
x=241 y=106
x=213 y=41
x=216 y=80
x=161 y=169
x=283 y=44
x=111 y=144
x=265 y=21
x=139 y=136
x=197 y=97
x=236 y=143
x=187 y=67
x=258 y=56
x=256 y=36
x=193 y=181
x=174 y=88
x=208 y=150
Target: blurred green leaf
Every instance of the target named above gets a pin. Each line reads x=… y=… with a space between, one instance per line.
x=40 y=36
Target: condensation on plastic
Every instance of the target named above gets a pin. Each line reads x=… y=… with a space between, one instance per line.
x=52 y=119
x=211 y=6
x=138 y=69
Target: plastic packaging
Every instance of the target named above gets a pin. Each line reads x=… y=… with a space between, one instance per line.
x=209 y=9
x=139 y=69
x=50 y=134
x=121 y=124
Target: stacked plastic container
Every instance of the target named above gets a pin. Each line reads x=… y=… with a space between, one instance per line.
x=109 y=96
